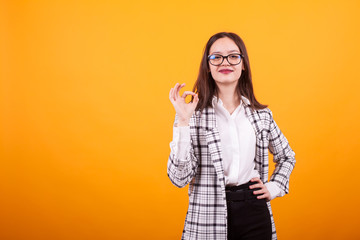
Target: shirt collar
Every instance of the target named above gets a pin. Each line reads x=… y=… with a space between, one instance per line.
x=216 y=101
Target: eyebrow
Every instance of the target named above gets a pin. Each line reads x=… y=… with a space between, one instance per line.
x=228 y=51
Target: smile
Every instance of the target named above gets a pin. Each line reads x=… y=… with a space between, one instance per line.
x=226 y=71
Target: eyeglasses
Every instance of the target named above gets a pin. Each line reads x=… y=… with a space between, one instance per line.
x=217 y=59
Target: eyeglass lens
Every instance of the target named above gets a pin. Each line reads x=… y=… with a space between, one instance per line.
x=217 y=59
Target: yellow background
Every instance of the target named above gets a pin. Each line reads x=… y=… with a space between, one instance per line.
x=86 y=120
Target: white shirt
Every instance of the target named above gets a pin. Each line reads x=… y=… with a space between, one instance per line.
x=238 y=143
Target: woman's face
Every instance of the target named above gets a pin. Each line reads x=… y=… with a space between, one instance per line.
x=225 y=46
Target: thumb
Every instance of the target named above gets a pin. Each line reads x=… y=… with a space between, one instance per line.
x=195 y=101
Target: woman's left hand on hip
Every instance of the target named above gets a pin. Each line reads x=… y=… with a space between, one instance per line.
x=263 y=191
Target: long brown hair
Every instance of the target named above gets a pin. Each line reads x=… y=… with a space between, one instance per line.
x=205 y=85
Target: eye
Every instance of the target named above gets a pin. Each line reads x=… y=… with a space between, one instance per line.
x=234 y=56
x=215 y=57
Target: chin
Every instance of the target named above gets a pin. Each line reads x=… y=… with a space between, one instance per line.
x=226 y=81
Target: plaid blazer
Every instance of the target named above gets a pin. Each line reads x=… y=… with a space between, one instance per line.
x=206 y=217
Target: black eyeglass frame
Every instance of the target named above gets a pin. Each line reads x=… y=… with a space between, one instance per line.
x=223 y=58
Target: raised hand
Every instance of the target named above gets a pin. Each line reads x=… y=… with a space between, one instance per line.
x=183 y=109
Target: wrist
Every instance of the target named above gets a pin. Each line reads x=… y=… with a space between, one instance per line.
x=183 y=123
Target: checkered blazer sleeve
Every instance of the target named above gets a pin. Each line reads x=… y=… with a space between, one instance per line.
x=181 y=171
x=284 y=157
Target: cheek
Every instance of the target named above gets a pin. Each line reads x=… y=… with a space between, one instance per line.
x=213 y=71
x=238 y=72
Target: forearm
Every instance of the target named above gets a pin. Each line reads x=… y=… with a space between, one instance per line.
x=182 y=163
x=284 y=157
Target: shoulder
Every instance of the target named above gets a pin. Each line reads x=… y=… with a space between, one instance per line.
x=264 y=117
x=265 y=113
x=262 y=114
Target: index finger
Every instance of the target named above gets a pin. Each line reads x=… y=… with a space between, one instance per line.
x=188 y=93
x=256 y=179
x=178 y=90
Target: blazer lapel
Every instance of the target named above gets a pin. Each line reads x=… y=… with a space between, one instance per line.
x=214 y=143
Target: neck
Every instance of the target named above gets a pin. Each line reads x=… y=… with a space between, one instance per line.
x=228 y=95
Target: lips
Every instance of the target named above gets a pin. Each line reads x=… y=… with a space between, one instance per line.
x=226 y=71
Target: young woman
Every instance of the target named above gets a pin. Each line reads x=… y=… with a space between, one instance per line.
x=220 y=148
